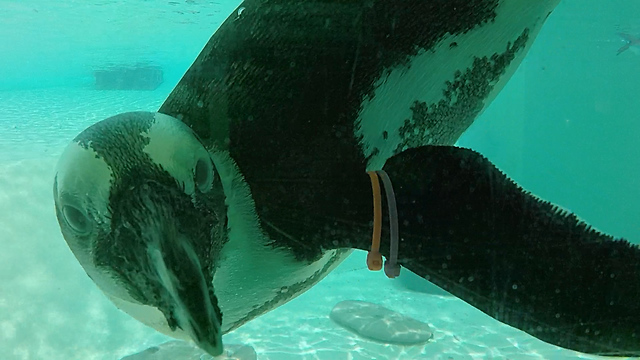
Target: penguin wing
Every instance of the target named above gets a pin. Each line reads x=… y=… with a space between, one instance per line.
x=519 y=259
x=466 y=227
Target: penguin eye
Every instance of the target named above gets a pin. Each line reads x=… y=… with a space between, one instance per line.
x=204 y=174
x=76 y=219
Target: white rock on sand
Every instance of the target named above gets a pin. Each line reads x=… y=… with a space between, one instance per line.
x=378 y=323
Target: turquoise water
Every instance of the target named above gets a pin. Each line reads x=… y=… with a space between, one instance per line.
x=565 y=127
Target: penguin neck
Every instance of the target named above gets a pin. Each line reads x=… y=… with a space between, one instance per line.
x=309 y=212
x=254 y=273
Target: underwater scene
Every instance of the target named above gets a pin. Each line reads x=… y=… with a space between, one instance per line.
x=319 y=179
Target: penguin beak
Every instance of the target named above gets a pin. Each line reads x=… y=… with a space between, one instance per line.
x=190 y=303
x=175 y=267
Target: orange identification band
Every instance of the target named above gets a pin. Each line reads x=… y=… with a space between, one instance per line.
x=374 y=258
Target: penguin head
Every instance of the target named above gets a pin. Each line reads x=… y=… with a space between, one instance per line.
x=142 y=208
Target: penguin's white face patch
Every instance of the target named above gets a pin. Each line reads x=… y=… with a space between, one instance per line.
x=433 y=98
x=174 y=145
x=81 y=193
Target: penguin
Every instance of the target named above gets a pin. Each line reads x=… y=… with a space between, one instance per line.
x=251 y=182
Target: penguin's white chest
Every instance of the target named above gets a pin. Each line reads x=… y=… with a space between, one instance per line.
x=253 y=279
x=436 y=94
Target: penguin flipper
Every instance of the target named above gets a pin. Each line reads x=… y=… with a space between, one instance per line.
x=471 y=230
x=468 y=228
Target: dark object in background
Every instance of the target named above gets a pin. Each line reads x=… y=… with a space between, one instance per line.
x=131 y=77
